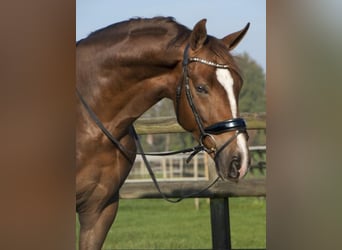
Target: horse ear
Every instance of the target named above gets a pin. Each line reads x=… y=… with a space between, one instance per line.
x=198 y=35
x=232 y=40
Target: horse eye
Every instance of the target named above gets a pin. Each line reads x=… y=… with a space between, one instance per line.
x=202 y=89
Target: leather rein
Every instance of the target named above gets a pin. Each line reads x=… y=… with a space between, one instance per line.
x=237 y=124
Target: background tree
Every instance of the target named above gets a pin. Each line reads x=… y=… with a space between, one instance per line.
x=252 y=95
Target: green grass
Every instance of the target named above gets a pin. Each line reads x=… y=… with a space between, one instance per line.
x=156 y=224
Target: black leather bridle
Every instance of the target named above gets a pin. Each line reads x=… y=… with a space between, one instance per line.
x=236 y=124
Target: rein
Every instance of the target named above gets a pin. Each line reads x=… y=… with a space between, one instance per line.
x=103 y=129
x=125 y=152
x=153 y=177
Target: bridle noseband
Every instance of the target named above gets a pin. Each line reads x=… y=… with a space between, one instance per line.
x=236 y=124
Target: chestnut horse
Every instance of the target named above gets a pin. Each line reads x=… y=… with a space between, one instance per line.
x=124 y=69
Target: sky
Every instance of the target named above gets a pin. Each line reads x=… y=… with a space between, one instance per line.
x=223 y=17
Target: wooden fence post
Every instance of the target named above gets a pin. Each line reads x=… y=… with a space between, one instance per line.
x=220 y=226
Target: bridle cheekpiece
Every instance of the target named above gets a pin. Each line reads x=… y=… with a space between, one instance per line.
x=236 y=124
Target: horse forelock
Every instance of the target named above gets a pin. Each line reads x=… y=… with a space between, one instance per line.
x=223 y=56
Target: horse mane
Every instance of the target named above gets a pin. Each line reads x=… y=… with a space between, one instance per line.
x=154 y=27
x=157 y=26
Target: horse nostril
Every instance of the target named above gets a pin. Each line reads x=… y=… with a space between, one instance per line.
x=234 y=167
x=236 y=158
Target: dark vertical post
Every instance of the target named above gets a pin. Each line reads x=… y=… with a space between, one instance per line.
x=220 y=226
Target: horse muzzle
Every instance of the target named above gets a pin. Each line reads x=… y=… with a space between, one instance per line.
x=232 y=156
x=233 y=162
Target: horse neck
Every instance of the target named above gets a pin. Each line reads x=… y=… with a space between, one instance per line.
x=122 y=88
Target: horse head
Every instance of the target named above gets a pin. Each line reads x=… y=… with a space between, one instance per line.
x=206 y=101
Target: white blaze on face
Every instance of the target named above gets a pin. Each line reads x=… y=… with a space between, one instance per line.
x=225 y=78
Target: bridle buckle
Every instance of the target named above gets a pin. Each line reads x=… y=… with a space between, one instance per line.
x=209 y=147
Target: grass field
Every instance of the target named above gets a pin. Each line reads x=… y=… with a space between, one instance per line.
x=156 y=224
